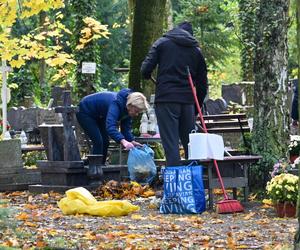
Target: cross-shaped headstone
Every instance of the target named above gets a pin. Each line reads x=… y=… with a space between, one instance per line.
x=4 y=70
x=71 y=151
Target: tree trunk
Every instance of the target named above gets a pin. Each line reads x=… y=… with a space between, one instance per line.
x=85 y=83
x=42 y=62
x=297 y=235
x=271 y=123
x=247 y=20
x=169 y=15
x=147 y=27
x=131 y=7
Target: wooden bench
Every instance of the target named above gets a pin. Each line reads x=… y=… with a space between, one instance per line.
x=227 y=123
x=233 y=169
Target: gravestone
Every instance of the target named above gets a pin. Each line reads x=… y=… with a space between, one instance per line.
x=63 y=168
x=241 y=93
x=214 y=107
x=29 y=119
x=13 y=176
x=57 y=94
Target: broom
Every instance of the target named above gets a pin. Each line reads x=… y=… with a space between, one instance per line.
x=226 y=205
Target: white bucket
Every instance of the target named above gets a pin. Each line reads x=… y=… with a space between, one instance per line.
x=205 y=146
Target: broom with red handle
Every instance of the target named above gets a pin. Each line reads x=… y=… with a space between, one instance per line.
x=226 y=205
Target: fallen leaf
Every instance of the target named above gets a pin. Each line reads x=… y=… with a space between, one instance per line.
x=30 y=206
x=79 y=226
x=30 y=224
x=230 y=241
x=249 y=216
x=217 y=221
x=137 y=217
x=22 y=216
x=45 y=196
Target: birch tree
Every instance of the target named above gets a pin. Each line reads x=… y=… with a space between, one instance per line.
x=271 y=112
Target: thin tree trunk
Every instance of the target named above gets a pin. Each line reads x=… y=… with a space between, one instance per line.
x=131 y=7
x=85 y=83
x=297 y=235
x=42 y=62
x=147 y=27
x=169 y=15
x=271 y=123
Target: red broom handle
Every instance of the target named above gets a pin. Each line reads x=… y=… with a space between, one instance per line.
x=204 y=128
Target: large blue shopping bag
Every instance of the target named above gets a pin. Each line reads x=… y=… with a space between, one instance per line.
x=183 y=190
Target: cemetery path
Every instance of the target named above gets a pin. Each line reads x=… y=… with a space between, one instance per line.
x=37 y=222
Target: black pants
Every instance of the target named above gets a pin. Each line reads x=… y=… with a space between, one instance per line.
x=175 y=121
x=95 y=129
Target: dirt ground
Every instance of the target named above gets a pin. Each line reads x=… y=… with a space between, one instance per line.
x=38 y=223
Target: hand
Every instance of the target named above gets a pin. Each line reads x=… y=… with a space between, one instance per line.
x=135 y=143
x=126 y=144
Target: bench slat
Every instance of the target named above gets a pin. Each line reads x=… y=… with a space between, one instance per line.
x=217 y=124
x=228 y=130
x=234 y=158
x=225 y=116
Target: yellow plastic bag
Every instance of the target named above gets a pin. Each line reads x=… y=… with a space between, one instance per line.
x=81 y=201
x=75 y=206
x=112 y=208
x=81 y=194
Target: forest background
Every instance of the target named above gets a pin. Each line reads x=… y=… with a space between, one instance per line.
x=225 y=30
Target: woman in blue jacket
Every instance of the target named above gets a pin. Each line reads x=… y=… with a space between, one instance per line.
x=100 y=115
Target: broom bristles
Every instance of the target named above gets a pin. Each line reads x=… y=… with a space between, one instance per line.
x=229 y=206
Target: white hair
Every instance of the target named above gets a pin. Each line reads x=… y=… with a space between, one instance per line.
x=138 y=100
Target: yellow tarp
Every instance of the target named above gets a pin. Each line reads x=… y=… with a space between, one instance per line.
x=81 y=201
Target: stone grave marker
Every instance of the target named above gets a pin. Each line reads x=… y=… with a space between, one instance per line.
x=13 y=176
x=57 y=95
x=63 y=168
x=214 y=107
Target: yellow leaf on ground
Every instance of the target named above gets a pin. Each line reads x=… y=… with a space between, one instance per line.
x=45 y=196
x=22 y=216
x=249 y=216
x=30 y=224
x=148 y=193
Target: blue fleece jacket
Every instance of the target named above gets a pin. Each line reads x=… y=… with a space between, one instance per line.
x=110 y=107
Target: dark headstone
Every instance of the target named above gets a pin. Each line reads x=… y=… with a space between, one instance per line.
x=241 y=93
x=52 y=138
x=214 y=107
x=232 y=93
x=71 y=150
x=57 y=94
x=48 y=116
x=14 y=117
x=64 y=168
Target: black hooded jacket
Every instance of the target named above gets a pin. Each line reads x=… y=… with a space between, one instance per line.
x=173 y=52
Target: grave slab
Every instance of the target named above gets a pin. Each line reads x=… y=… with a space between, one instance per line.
x=13 y=176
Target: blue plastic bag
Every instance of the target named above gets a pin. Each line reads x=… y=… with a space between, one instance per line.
x=183 y=190
x=141 y=166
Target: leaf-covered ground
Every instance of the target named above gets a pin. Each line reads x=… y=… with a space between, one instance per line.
x=38 y=223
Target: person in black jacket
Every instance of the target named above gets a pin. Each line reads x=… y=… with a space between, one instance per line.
x=100 y=115
x=174 y=102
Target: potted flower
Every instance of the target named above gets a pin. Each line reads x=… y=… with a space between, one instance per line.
x=283 y=191
x=282 y=166
x=294 y=147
